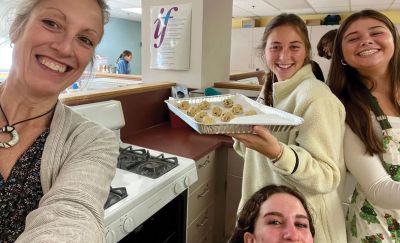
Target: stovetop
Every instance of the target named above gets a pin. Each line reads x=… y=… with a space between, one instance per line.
x=141 y=188
x=115 y=195
x=142 y=162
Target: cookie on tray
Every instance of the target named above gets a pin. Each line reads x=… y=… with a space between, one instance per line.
x=193 y=110
x=237 y=109
x=199 y=116
x=227 y=103
x=227 y=116
x=204 y=105
x=216 y=111
x=250 y=112
x=184 y=105
x=208 y=120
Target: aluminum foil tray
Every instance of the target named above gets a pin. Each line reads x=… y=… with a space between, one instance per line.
x=275 y=120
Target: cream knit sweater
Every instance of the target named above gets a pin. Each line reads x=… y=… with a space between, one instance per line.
x=78 y=164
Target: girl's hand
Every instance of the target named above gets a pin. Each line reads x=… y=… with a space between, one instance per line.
x=260 y=140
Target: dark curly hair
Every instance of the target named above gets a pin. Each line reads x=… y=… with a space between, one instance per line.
x=247 y=217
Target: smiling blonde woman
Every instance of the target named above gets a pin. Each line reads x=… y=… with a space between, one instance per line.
x=56 y=167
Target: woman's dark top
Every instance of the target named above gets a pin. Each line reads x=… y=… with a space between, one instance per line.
x=22 y=191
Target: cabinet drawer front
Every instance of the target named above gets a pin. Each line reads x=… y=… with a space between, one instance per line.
x=200 y=199
x=201 y=226
x=205 y=170
x=208 y=238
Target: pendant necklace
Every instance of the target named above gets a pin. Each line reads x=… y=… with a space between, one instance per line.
x=10 y=128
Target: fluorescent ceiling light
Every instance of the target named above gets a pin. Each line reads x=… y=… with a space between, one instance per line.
x=133 y=10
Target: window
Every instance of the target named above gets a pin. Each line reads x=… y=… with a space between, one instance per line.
x=6 y=56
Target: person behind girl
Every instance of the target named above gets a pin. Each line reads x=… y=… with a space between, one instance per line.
x=274 y=213
x=122 y=64
x=365 y=75
x=308 y=158
x=325 y=44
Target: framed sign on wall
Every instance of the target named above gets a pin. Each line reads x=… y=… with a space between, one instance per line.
x=170 y=32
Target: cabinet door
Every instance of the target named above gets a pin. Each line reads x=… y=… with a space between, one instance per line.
x=257 y=62
x=316 y=32
x=241 y=50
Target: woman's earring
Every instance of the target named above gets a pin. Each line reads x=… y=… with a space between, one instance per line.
x=343 y=62
x=11 y=45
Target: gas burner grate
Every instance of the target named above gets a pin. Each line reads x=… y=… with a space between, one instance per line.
x=141 y=162
x=116 y=194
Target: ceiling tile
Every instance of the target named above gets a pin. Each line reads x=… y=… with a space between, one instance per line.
x=239 y=12
x=288 y=4
x=379 y=7
x=328 y=10
x=328 y=3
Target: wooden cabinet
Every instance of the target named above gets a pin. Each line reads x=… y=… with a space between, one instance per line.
x=213 y=199
x=201 y=201
x=233 y=189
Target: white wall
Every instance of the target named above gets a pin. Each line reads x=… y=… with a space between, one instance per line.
x=210 y=44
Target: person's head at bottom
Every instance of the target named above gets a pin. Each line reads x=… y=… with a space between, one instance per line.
x=274 y=214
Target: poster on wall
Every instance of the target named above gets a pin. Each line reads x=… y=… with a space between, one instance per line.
x=170 y=37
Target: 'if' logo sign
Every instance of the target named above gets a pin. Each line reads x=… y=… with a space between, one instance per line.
x=162 y=23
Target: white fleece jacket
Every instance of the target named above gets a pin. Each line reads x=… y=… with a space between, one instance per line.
x=318 y=145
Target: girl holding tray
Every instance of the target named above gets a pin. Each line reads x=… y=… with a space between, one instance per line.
x=309 y=157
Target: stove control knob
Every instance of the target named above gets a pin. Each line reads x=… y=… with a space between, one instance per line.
x=178 y=188
x=111 y=237
x=187 y=181
x=129 y=225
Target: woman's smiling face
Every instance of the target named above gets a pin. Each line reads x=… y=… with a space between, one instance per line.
x=285 y=51
x=56 y=44
x=367 y=44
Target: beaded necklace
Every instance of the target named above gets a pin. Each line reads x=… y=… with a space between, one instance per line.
x=10 y=128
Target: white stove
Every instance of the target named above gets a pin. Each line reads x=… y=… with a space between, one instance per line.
x=146 y=196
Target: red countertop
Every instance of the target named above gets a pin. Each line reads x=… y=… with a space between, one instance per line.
x=184 y=141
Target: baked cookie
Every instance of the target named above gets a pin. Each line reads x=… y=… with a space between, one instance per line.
x=204 y=105
x=208 y=120
x=227 y=103
x=216 y=111
x=250 y=112
x=184 y=105
x=199 y=116
x=227 y=116
x=193 y=110
x=237 y=109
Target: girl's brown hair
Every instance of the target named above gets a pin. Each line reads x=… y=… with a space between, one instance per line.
x=346 y=83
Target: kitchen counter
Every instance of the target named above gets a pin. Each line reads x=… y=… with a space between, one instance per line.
x=120 y=76
x=237 y=85
x=84 y=97
x=184 y=141
x=147 y=120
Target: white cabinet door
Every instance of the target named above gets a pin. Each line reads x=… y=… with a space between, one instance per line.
x=241 y=50
x=257 y=63
x=316 y=32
